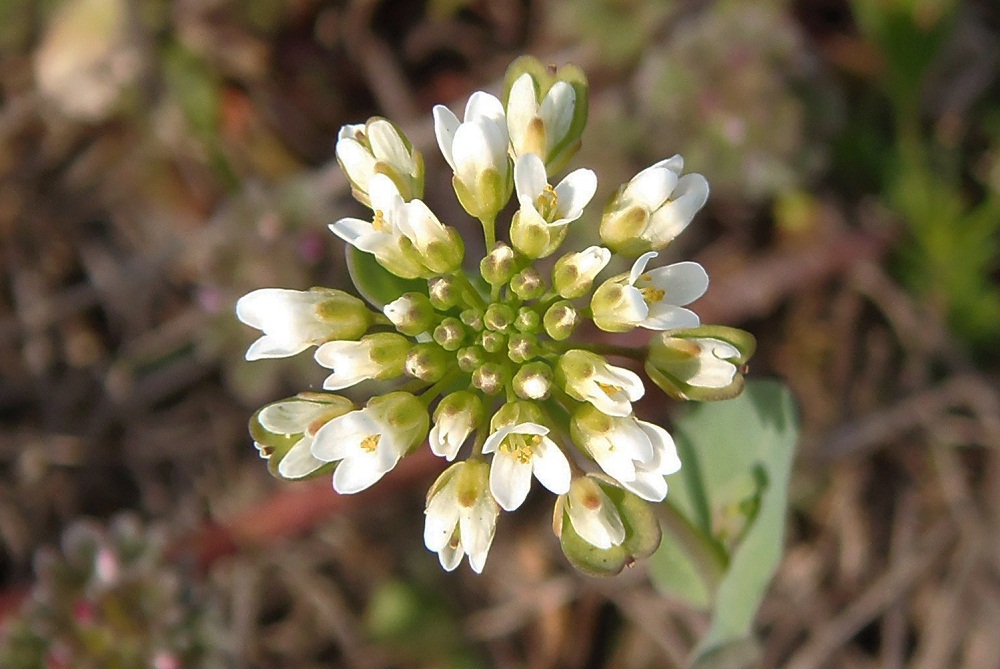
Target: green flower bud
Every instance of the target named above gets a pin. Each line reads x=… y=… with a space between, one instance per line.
x=515 y=413
x=574 y=273
x=470 y=358
x=498 y=266
x=493 y=342
x=405 y=414
x=499 y=317
x=445 y=292
x=620 y=228
x=522 y=347
x=528 y=284
x=490 y=378
x=528 y=320
x=412 y=313
x=704 y=363
x=533 y=238
x=450 y=334
x=389 y=351
x=602 y=528
x=560 y=320
x=473 y=318
x=427 y=362
x=533 y=381
x=345 y=315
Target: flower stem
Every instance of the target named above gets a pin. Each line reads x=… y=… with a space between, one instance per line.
x=489 y=232
x=707 y=556
x=428 y=395
x=469 y=293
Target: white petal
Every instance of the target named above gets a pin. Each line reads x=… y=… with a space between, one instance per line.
x=482 y=106
x=639 y=266
x=556 y=111
x=650 y=188
x=665 y=459
x=522 y=106
x=338 y=438
x=633 y=308
x=289 y=417
x=445 y=125
x=510 y=480
x=670 y=220
x=550 y=466
x=360 y=234
x=674 y=163
x=648 y=485
x=388 y=146
x=477 y=524
x=444 y=443
x=384 y=195
x=269 y=347
x=663 y=316
x=529 y=179
x=299 y=460
x=600 y=527
x=354 y=475
x=472 y=153
x=440 y=520
x=632 y=441
x=683 y=282
x=356 y=161
x=592 y=260
x=575 y=192
x=450 y=557
x=615 y=464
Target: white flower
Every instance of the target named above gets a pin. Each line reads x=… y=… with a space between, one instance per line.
x=660 y=201
x=545 y=204
x=367 y=149
x=523 y=450
x=365 y=442
x=538 y=128
x=589 y=378
x=574 y=273
x=713 y=367
x=653 y=299
x=461 y=517
x=456 y=416
x=593 y=515
x=635 y=453
x=292 y=320
x=476 y=150
x=297 y=416
x=381 y=235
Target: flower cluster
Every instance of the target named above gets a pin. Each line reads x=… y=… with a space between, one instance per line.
x=490 y=360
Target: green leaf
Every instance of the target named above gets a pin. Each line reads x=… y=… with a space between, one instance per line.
x=375 y=283
x=733 y=490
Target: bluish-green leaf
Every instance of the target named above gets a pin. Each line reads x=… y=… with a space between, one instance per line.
x=737 y=458
x=375 y=283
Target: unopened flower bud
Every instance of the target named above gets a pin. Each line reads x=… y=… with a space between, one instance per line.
x=499 y=317
x=498 y=266
x=533 y=381
x=493 y=342
x=427 y=362
x=703 y=363
x=450 y=334
x=412 y=314
x=490 y=378
x=472 y=318
x=522 y=347
x=560 y=320
x=470 y=358
x=516 y=413
x=528 y=284
x=574 y=273
x=528 y=320
x=445 y=292
x=456 y=416
x=377 y=356
x=588 y=377
x=379 y=147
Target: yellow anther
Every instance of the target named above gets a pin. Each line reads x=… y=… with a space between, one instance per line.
x=546 y=202
x=370 y=443
x=608 y=388
x=652 y=294
x=521 y=447
x=379 y=222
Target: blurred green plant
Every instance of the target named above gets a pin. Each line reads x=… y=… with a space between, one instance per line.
x=109 y=599
x=724 y=518
x=952 y=250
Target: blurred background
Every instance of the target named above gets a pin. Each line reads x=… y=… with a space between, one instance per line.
x=160 y=159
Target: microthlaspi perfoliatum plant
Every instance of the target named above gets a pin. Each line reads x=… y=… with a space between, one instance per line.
x=486 y=354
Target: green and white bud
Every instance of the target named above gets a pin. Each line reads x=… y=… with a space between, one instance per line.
x=522 y=347
x=476 y=150
x=450 y=334
x=499 y=317
x=412 y=314
x=528 y=284
x=546 y=110
x=592 y=514
x=574 y=273
x=473 y=318
x=456 y=416
x=533 y=381
x=378 y=356
x=653 y=208
x=516 y=413
x=499 y=265
x=405 y=415
x=528 y=321
x=470 y=358
x=560 y=320
x=493 y=342
x=283 y=432
x=379 y=147
x=294 y=320
x=704 y=363
x=439 y=247
x=444 y=292
x=427 y=362
x=490 y=378
x=588 y=377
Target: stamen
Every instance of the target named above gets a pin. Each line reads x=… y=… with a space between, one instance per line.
x=370 y=443
x=652 y=294
x=547 y=202
x=608 y=388
x=379 y=222
x=521 y=447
